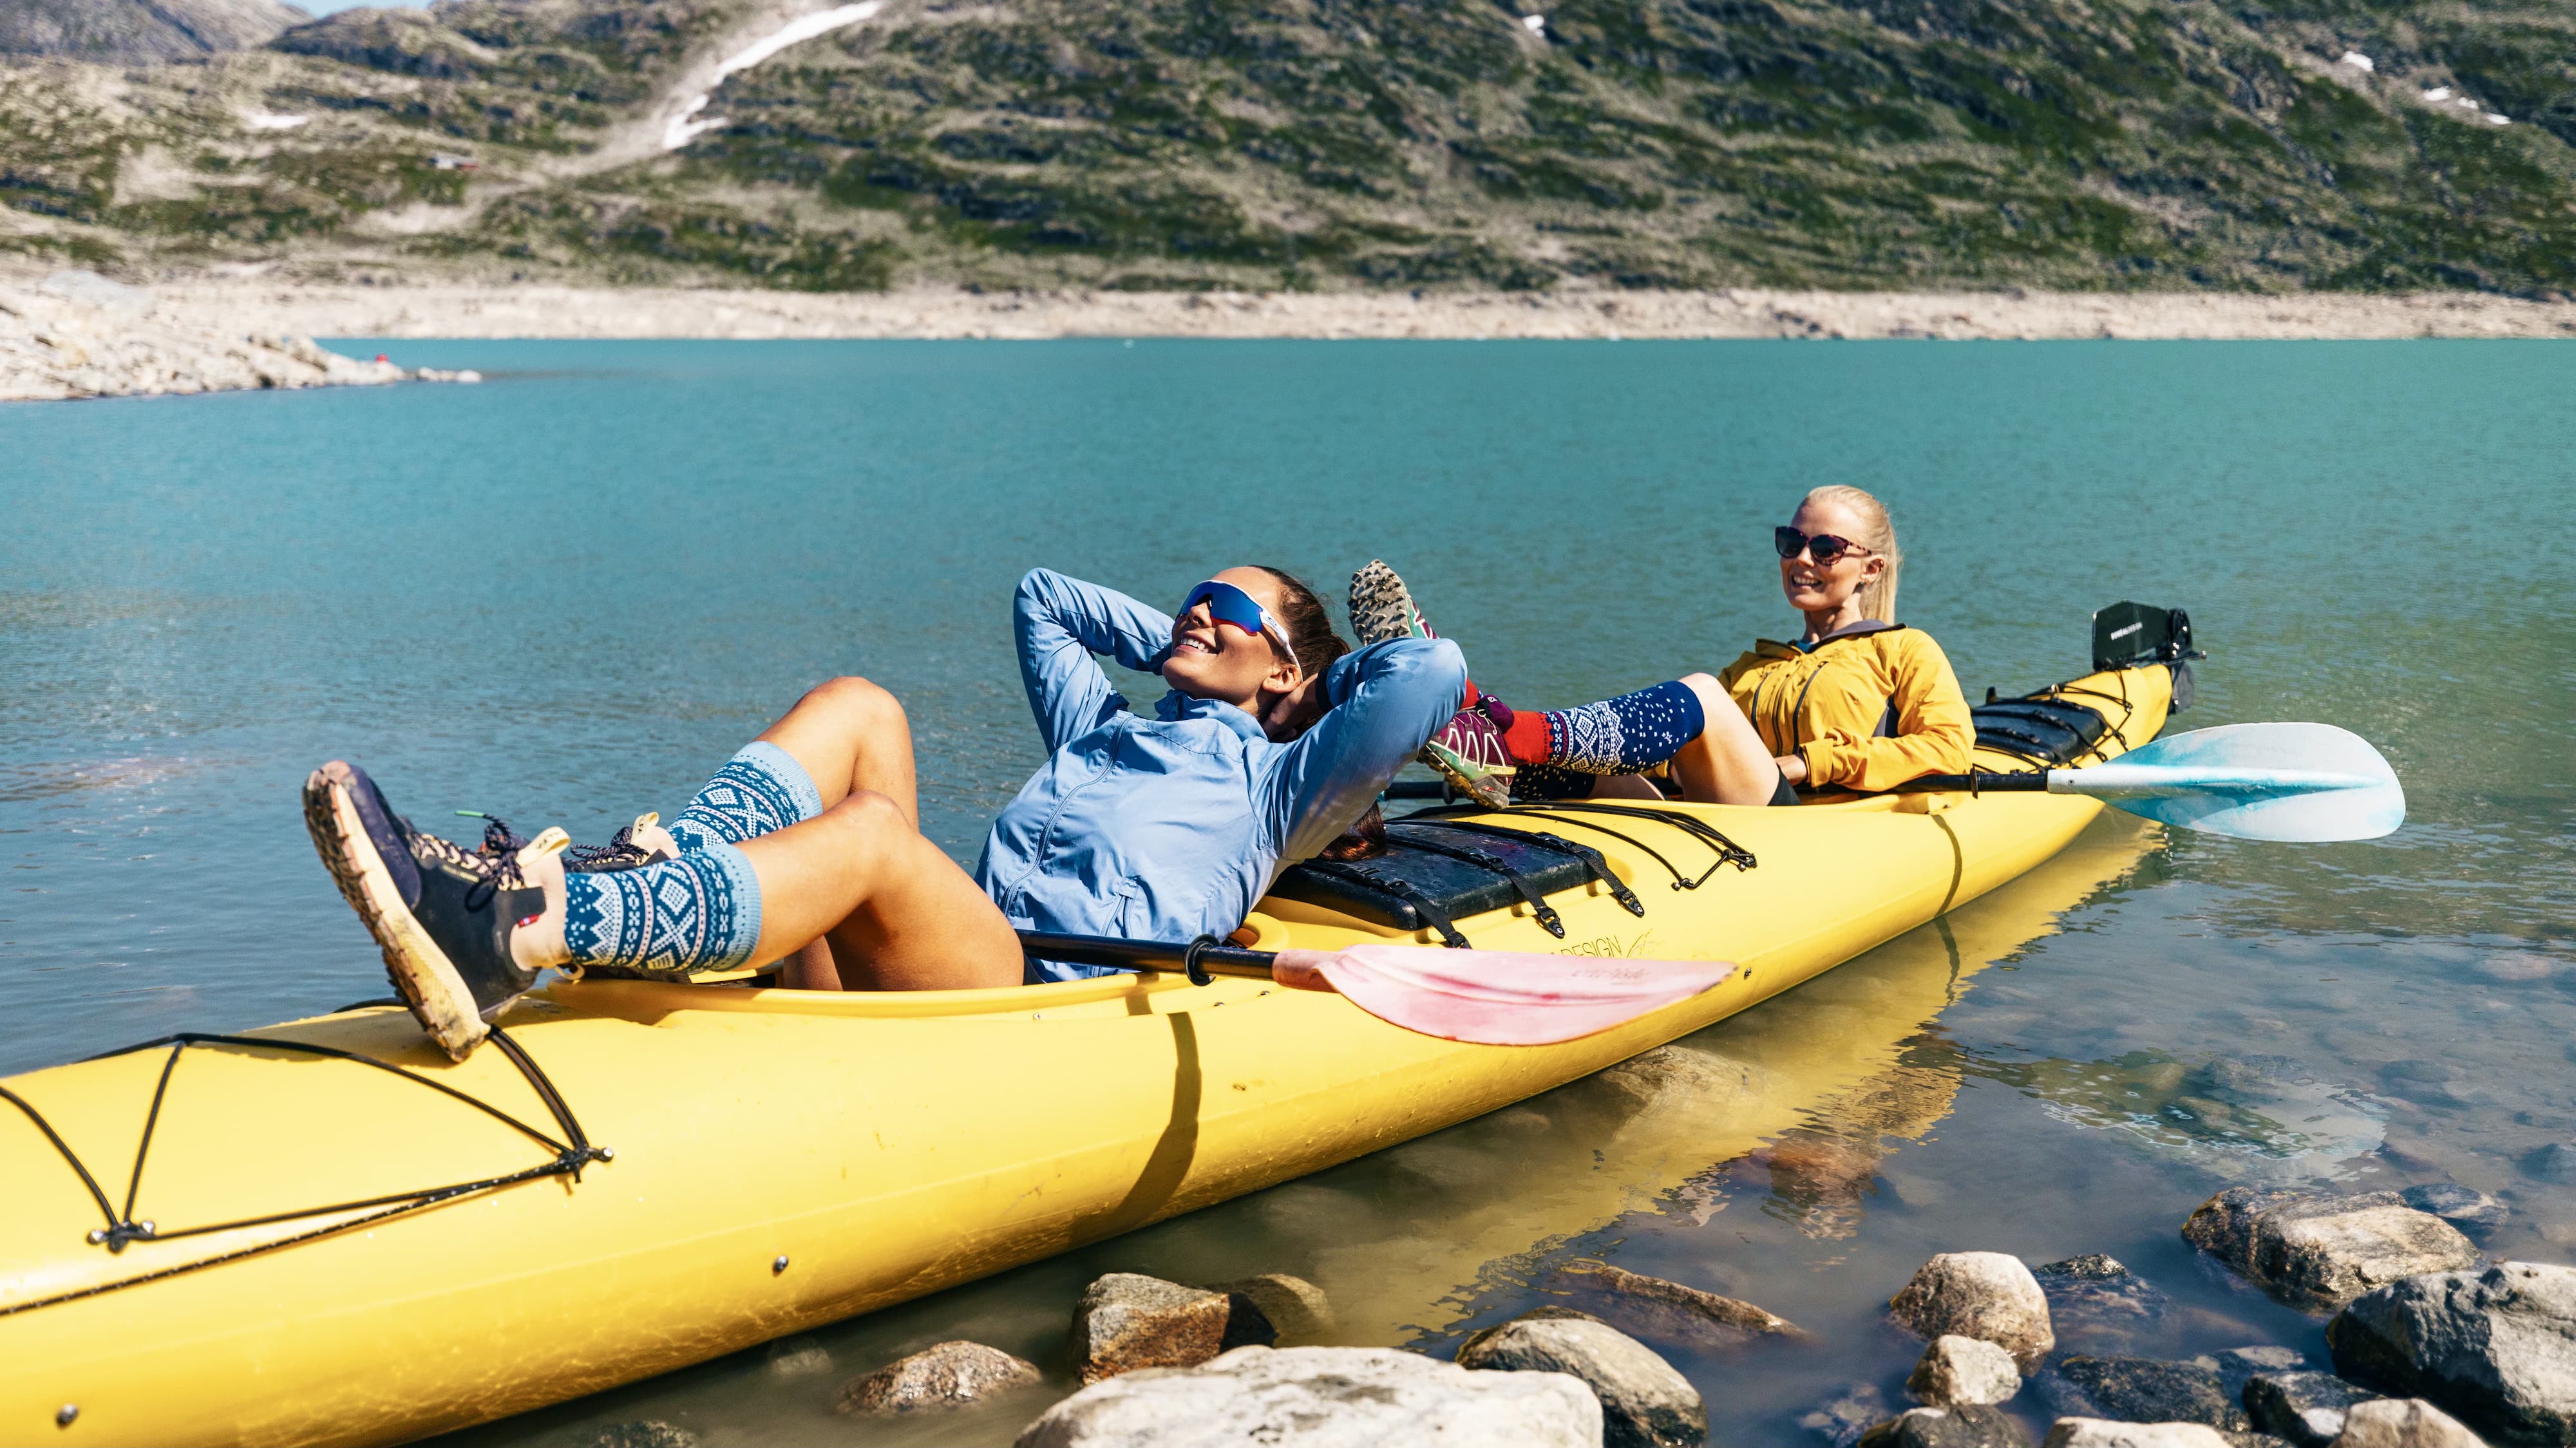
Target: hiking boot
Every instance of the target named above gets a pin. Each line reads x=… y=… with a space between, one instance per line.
x=442 y=914
x=1382 y=608
x=1469 y=752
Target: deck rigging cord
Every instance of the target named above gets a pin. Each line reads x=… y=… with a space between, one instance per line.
x=571 y=1155
x=1566 y=811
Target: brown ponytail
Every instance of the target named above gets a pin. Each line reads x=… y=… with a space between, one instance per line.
x=1310 y=632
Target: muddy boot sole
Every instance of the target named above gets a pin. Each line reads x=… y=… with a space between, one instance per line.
x=1489 y=787
x=1381 y=607
x=421 y=973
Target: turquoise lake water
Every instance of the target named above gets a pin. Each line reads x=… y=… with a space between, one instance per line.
x=563 y=596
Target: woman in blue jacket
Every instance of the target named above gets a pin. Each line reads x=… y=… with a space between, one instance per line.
x=1272 y=742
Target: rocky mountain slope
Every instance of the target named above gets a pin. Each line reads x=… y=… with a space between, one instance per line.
x=2259 y=145
x=140 y=30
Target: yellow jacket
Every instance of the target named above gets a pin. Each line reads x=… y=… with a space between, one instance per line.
x=1868 y=708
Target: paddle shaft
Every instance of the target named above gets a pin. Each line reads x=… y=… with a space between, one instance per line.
x=1196 y=957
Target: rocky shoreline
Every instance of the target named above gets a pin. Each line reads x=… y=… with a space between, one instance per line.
x=2432 y=1346
x=254 y=304
x=78 y=335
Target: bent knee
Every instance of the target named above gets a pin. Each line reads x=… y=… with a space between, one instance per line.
x=867 y=811
x=1711 y=693
x=851 y=698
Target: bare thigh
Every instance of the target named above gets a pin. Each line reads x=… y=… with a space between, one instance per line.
x=899 y=913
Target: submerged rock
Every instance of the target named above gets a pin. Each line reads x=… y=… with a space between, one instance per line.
x=1128 y=1321
x=1644 y=1402
x=1294 y=1306
x=2097 y=1433
x=2496 y=1348
x=2319 y=1252
x=2461 y=1206
x=1986 y=1295
x=2404 y=1423
x=2142 y=1390
x=1963 y=1371
x=1323 y=1397
x=2097 y=1304
x=798 y=1357
x=948 y=1375
x=1658 y=1308
x=1963 y=1425
x=2307 y=1409
x=1843 y=1420
x=2238 y=1365
x=2554 y=1163
x=645 y=1434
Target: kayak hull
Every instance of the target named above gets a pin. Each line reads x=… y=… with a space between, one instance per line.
x=784 y=1159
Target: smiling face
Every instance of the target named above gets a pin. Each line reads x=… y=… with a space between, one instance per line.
x=1825 y=588
x=1210 y=660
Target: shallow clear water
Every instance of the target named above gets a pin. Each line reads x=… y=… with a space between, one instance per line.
x=564 y=595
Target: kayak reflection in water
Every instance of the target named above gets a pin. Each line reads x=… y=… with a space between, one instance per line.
x=807 y=844
x=1859 y=701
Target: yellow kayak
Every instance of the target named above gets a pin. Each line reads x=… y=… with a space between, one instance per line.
x=646 y=1176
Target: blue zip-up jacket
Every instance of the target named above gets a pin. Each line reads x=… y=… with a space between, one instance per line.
x=1170 y=828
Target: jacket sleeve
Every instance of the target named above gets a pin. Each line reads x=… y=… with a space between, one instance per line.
x=1387 y=699
x=1933 y=731
x=1059 y=623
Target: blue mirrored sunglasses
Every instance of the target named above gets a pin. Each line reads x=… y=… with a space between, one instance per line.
x=1229 y=604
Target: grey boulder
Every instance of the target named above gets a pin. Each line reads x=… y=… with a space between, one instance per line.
x=1965 y=1425
x=2496 y=1348
x=1128 y=1321
x=2319 y=1252
x=1960 y=1371
x=2142 y=1390
x=2307 y=1409
x=1985 y=1295
x=947 y=1375
x=1322 y=1397
x=2239 y=1365
x=1644 y=1402
x=2404 y=1423
x=1294 y=1306
x=2100 y=1433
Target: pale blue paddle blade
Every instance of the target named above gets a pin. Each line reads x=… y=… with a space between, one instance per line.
x=2295 y=783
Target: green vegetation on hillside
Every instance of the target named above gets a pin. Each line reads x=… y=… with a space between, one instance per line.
x=2089 y=144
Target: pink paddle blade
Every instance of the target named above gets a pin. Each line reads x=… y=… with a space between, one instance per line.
x=1497 y=997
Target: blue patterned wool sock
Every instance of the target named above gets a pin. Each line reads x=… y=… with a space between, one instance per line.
x=760 y=789
x=699 y=912
x=1627 y=735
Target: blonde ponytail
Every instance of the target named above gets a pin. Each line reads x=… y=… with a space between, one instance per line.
x=1878 y=534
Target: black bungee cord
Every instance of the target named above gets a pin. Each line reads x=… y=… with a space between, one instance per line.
x=122 y=1229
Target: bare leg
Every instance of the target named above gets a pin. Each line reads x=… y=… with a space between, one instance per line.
x=854 y=740
x=901 y=915
x=851 y=735
x=811 y=968
x=1728 y=763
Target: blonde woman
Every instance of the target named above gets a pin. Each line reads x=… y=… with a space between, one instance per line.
x=1857 y=701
